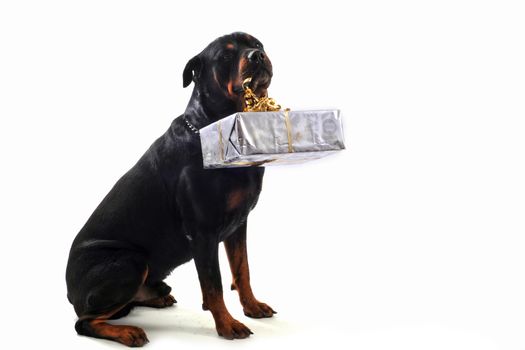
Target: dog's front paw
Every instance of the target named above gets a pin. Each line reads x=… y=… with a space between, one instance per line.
x=230 y=328
x=256 y=309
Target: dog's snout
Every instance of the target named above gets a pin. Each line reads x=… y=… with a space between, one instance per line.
x=256 y=56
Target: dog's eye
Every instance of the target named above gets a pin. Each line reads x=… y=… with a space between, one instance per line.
x=258 y=45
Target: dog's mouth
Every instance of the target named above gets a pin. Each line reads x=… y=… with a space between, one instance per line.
x=260 y=82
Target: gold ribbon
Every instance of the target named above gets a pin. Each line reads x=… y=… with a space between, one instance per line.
x=288 y=129
x=221 y=144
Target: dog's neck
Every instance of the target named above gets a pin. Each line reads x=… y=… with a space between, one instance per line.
x=202 y=110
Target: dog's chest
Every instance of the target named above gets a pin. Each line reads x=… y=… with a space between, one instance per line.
x=239 y=196
x=242 y=191
x=221 y=198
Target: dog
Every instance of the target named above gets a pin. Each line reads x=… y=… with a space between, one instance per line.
x=168 y=209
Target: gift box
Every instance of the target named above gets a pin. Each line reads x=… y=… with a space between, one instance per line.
x=271 y=138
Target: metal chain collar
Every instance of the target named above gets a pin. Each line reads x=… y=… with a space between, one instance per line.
x=190 y=125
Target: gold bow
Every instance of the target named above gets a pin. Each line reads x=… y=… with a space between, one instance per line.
x=257 y=104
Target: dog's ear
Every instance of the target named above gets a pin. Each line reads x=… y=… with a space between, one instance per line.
x=191 y=71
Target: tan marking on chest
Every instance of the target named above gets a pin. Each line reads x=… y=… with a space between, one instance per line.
x=235 y=199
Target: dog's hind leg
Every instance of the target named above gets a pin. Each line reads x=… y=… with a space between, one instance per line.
x=105 y=291
x=122 y=312
x=98 y=328
x=156 y=295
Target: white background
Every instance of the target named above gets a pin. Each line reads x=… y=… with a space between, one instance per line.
x=412 y=238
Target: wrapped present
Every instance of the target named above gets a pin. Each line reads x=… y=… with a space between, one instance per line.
x=270 y=136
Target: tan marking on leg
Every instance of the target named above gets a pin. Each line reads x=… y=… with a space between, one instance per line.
x=127 y=335
x=235 y=199
x=226 y=325
x=238 y=258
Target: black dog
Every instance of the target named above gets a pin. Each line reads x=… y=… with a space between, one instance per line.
x=167 y=210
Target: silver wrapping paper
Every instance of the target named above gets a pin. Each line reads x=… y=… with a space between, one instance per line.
x=268 y=138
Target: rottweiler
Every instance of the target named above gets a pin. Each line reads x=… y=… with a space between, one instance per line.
x=167 y=209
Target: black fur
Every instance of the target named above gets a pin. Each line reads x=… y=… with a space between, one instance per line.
x=167 y=209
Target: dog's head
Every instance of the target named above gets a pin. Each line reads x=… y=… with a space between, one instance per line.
x=220 y=69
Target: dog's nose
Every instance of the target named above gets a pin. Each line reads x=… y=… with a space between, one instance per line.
x=256 y=56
